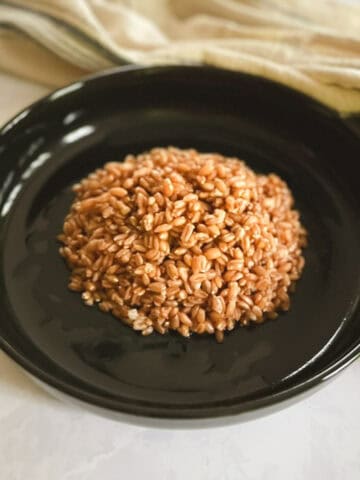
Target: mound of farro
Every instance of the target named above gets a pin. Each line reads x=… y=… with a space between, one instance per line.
x=180 y=240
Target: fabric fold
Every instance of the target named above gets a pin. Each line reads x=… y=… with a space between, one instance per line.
x=313 y=47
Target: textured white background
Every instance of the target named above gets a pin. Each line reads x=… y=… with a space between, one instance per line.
x=44 y=439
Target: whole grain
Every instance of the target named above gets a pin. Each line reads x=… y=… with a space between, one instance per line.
x=180 y=240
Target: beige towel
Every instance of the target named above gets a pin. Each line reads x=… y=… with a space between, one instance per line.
x=310 y=45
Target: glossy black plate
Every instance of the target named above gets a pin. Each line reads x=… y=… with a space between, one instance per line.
x=92 y=356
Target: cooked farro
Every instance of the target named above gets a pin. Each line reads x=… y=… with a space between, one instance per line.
x=180 y=240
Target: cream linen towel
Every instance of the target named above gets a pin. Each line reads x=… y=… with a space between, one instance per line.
x=310 y=45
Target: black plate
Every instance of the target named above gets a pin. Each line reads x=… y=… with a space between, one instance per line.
x=92 y=356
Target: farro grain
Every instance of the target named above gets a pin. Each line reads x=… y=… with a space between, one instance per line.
x=178 y=240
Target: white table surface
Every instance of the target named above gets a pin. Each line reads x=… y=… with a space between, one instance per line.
x=44 y=439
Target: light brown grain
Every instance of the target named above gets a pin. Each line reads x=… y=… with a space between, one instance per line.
x=178 y=240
